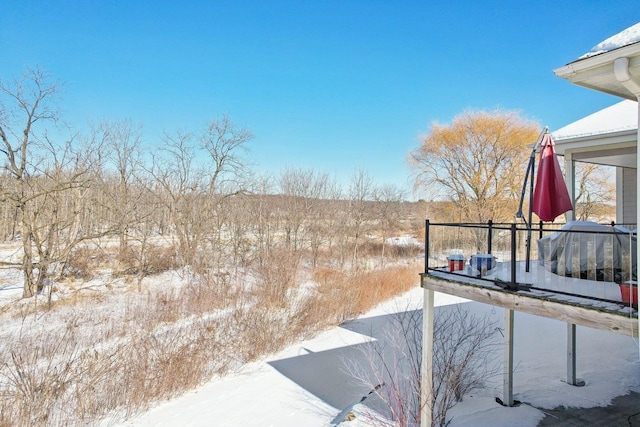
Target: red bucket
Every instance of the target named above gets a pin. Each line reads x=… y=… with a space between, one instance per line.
x=629 y=293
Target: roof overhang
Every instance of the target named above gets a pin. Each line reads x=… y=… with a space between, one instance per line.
x=612 y=149
x=597 y=72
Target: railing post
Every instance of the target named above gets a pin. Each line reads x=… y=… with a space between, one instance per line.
x=540 y=234
x=490 y=236
x=426 y=247
x=513 y=256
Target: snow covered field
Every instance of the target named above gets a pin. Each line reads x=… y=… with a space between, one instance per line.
x=306 y=384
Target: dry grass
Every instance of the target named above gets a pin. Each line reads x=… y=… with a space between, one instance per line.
x=101 y=362
x=275 y=275
x=343 y=295
x=372 y=248
x=85 y=261
x=132 y=260
x=381 y=285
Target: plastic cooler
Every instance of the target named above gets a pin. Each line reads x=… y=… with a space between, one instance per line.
x=456 y=262
x=483 y=262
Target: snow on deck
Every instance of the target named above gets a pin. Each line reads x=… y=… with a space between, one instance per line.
x=548 y=285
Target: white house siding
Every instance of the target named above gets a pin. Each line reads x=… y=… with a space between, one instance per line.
x=629 y=196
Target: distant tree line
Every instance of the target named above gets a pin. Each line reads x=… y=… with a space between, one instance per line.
x=195 y=190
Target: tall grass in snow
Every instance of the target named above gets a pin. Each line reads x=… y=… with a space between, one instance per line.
x=102 y=362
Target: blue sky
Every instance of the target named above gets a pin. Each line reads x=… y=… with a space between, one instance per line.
x=329 y=85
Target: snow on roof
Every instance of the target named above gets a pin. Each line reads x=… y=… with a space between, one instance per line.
x=619 y=117
x=623 y=38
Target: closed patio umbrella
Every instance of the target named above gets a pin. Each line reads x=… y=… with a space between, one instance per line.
x=550 y=196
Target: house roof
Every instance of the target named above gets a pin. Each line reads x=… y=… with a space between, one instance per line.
x=606 y=137
x=595 y=69
x=609 y=136
x=624 y=38
x=619 y=117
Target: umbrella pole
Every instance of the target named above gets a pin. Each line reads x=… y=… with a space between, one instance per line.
x=532 y=160
x=529 y=176
x=533 y=168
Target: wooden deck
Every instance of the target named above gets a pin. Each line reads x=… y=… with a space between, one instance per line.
x=622 y=320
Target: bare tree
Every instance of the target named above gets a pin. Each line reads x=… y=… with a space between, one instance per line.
x=10 y=214
x=262 y=215
x=361 y=193
x=463 y=359
x=225 y=142
x=225 y=168
x=595 y=192
x=181 y=186
x=25 y=103
x=389 y=210
x=192 y=186
x=478 y=162
x=302 y=191
x=45 y=176
x=322 y=224
x=124 y=155
x=61 y=195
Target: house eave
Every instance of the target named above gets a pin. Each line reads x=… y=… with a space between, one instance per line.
x=610 y=138
x=597 y=72
x=593 y=62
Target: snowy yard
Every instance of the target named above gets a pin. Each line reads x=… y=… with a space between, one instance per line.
x=306 y=384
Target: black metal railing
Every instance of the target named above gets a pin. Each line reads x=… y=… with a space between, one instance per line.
x=537 y=256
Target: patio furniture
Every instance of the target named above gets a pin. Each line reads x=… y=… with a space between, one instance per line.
x=588 y=250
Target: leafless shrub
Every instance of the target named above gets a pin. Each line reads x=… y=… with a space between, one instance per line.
x=405 y=251
x=52 y=381
x=164 y=363
x=463 y=356
x=83 y=262
x=335 y=299
x=275 y=275
x=260 y=330
x=209 y=293
x=131 y=260
x=160 y=259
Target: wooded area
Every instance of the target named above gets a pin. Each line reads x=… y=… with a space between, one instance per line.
x=194 y=197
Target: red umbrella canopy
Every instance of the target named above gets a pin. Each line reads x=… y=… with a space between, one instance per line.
x=550 y=196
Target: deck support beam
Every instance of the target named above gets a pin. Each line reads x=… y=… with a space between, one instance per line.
x=507 y=386
x=530 y=303
x=571 y=354
x=426 y=391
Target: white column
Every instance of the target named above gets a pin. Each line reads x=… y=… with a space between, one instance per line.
x=571 y=354
x=426 y=413
x=507 y=376
x=632 y=84
x=570 y=179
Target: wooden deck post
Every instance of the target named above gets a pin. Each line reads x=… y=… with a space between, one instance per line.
x=507 y=386
x=426 y=388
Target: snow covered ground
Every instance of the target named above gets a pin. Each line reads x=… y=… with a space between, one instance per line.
x=306 y=384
